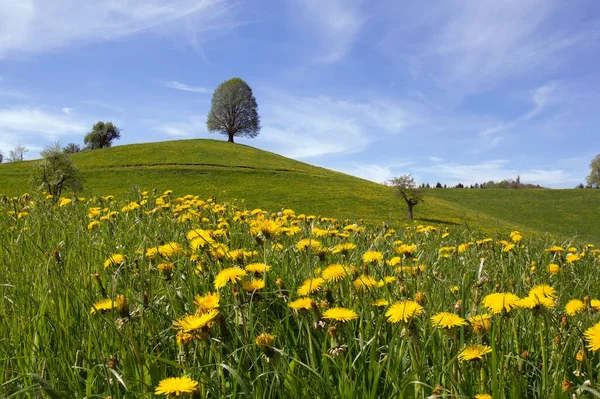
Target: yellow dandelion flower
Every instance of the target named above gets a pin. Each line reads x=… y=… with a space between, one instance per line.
x=595 y=304
x=592 y=336
x=102 y=306
x=543 y=290
x=64 y=201
x=508 y=247
x=192 y=322
x=113 y=260
x=207 y=302
x=403 y=311
x=170 y=249
x=447 y=320
x=264 y=341
x=257 y=268
x=380 y=302
x=93 y=224
x=365 y=283
x=175 y=386
x=302 y=303
x=372 y=257
x=555 y=248
x=536 y=302
x=406 y=249
x=574 y=306
x=483 y=396
x=311 y=285
x=343 y=248
x=231 y=274
x=553 y=268
x=474 y=352
x=481 y=323
x=500 y=301
x=572 y=258
x=340 y=314
x=253 y=285
x=335 y=272
x=306 y=243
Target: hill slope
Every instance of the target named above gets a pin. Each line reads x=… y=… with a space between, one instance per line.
x=266 y=180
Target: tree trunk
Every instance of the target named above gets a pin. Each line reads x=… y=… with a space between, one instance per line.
x=410 y=215
x=230 y=137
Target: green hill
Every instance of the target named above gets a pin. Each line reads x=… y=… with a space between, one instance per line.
x=269 y=181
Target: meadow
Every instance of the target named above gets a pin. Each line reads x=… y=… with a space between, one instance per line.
x=266 y=180
x=161 y=294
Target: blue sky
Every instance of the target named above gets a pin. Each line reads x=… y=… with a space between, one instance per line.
x=449 y=91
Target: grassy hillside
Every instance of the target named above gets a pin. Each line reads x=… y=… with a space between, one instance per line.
x=269 y=181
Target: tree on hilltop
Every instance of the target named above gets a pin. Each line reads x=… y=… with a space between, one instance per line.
x=234 y=111
x=593 y=180
x=406 y=188
x=102 y=135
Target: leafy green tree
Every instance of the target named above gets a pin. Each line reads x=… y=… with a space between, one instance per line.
x=102 y=135
x=234 y=111
x=406 y=188
x=593 y=180
x=1 y=156
x=55 y=172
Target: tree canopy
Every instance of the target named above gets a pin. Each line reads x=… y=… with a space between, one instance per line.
x=17 y=154
x=234 y=111
x=102 y=135
x=406 y=188
x=593 y=180
x=56 y=172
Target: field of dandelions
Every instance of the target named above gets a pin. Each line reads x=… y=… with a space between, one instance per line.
x=164 y=296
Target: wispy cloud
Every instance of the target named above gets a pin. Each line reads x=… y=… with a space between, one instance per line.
x=305 y=127
x=337 y=24
x=540 y=98
x=41 y=122
x=33 y=26
x=193 y=127
x=472 y=45
x=182 y=86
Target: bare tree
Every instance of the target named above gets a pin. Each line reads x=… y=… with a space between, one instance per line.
x=18 y=153
x=406 y=188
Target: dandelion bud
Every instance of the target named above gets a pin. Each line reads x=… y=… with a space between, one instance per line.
x=557 y=340
x=112 y=362
x=122 y=306
x=280 y=283
x=166 y=270
x=566 y=385
x=458 y=306
x=497 y=287
x=438 y=390
x=419 y=297
x=525 y=354
x=564 y=320
x=403 y=290
x=331 y=331
x=580 y=357
x=586 y=299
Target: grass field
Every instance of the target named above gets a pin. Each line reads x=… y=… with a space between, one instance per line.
x=262 y=179
x=170 y=296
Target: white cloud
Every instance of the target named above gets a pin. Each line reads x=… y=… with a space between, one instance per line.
x=337 y=24
x=182 y=86
x=32 y=26
x=40 y=122
x=540 y=98
x=469 y=46
x=316 y=126
x=192 y=128
x=497 y=170
x=373 y=172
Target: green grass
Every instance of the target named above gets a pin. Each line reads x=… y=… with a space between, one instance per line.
x=263 y=179
x=56 y=343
